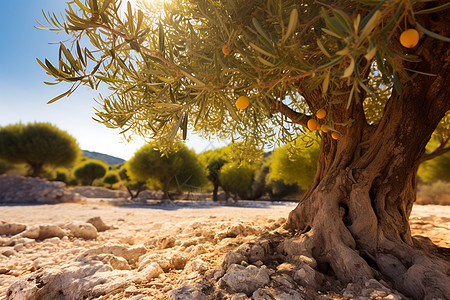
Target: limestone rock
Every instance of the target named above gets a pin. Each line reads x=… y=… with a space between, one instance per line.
x=152 y=270
x=98 y=192
x=280 y=294
x=186 y=292
x=232 y=258
x=240 y=296
x=74 y=281
x=117 y=263
x=31 y=232
x=50 y=230
x=19 y=189
x=307 y=276
x=130 y=254
x=196 y=265
x=82 y=230
x=246 y=280
x=11 y=228
x=98 y=224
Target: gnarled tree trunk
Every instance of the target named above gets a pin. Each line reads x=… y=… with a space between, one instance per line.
x=354 y=218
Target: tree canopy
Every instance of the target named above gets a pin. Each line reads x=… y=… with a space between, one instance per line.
x=237 y=178
x=296 y=163
x=38 y=145
x=179 y=168
x=89 y=170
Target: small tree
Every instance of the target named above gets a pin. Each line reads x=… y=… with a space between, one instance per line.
x=214 y=160
x=295 y=164
x=130 y=183
x=38 y=145
x=176 y=168
x=90 y=170
x=111 y=178
x=237 y=178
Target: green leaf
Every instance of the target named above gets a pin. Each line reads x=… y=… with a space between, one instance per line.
x=184 y=126
x=80 y=5
x=260 y=30
x=293 y=20
x=231 y=109
x=322 y=48
x=369 y=15
x=332 y=62
x=349 y=70
x=397 y=85
x=433 y=10
x=350 y=97
x=161 y=37
x=260 y=50
x=106 y=79
x=52 y=68
x=175 y=129
x=80 y=54
x=69 y=57
x=50 y=83
x=140 y=20
x=433 y=34
x=104 y=6
x=59 y=97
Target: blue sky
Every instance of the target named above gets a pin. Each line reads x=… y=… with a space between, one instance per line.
x=23 y=95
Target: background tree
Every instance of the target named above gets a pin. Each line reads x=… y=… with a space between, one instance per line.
x=89 y=170
x=437 y=168
x=296 y=164
x=177 y=168
x=214 y=161
x=264 y=183
x=291 y=59
x=134 y=187
x=237 y=179
x=38 y=145
x=111 y=178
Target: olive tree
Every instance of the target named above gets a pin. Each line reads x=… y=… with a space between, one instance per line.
x=214 y=161
x=176 y=168
x=38 y=145
x=89 y=170
x=237 y=178
x=111 y=178
x=130 y=183
x=182 y=69
x=295 y=164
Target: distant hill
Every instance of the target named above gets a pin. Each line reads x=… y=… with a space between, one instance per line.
x=110 y=160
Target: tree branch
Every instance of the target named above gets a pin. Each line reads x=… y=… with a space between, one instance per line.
x=296 y=117
x=441 y=149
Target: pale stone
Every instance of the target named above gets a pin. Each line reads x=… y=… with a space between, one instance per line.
x=186 y=293
x=11 y=228
x=82 y=230
x=152 y=270
x=246 y=280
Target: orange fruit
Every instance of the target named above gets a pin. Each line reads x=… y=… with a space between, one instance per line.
x=409 y=38
x=335 y=135
x=325 y=128
x=312 y=124
x=226 y=49
x=242 y=102
x=321 y=113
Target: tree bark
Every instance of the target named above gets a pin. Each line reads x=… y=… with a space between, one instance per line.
x=36 y=169
x=354 y=217
x=215 y=191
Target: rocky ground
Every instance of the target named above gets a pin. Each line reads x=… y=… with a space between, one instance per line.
x=193 y=250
